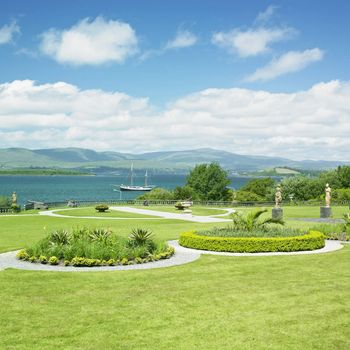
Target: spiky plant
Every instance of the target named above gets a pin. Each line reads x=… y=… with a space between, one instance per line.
x=140 y=236
x=61 y=237
x=252 y=220
x=100 y=234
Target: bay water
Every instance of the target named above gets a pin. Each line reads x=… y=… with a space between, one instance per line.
x=85 y=188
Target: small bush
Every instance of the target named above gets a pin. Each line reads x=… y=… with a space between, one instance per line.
x=43 y=259
x=311 y=241
x=53 y=260
x=32 y=259
x=101 y=208
x=23 y=255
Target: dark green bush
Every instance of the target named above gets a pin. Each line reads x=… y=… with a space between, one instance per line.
x=101 y=208
x=311 y=241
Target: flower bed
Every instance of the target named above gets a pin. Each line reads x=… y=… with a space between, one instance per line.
x=96 y=247
x=310 y=241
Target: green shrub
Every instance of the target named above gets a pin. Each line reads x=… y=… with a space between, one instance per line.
x=43 y=259
x=32 y=259
x=101 y=208
x=22 y=255
x=60 y=237
x=142 y=237
x=53 y=260
x=311 y=241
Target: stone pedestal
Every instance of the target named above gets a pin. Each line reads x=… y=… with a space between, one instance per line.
x=325 y=212
x=277 y=213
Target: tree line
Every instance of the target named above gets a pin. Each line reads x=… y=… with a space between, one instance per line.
x=209 y=182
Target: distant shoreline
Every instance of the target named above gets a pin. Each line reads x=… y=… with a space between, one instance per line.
x=42 y=173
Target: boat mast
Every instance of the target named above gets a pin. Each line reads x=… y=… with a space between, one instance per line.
x=146 y=179
x=132 y=175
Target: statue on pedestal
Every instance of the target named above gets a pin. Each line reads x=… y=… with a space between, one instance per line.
x=278 y=197
x=328 y=191
x=277 y=211
x=14 y=198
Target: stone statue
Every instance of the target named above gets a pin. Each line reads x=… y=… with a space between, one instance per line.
x=14 y=198
x=328 y=195
x=278 y=197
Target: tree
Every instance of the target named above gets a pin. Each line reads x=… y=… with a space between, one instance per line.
x=209 y=182
x=261 y=187
x=343 y=173
x=5 y=202
x=302 y=188
x=184 y=193
x=246 y=196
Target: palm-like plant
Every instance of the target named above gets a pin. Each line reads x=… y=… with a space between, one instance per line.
x=252 y=220
x=140 y=236
x=100 y=235
x=62 y=237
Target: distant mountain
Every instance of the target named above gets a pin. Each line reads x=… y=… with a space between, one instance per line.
x=169 y=161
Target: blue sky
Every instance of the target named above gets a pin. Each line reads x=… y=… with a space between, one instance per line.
x=164 y=61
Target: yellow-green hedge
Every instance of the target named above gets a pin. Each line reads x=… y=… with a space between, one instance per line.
x=310 y=241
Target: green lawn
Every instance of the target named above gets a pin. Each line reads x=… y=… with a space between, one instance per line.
x=281 y=302
x=196 y=210
x=90 y=211
x=295 y=302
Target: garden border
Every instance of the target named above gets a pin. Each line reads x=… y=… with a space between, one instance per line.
x=310 y=241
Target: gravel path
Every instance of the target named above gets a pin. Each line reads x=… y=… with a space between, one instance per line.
x=166 y=215
x=182 y=256
x=54 y=214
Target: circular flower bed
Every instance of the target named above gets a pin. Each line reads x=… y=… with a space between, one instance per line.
x=96 y=247
x=310 y=241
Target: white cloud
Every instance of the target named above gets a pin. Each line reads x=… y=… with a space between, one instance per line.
x=266 y=15
x=251 y=42
x=291 y=61
x=91 y=42
x=306 y=124
x=184 y=38
x=8 y=31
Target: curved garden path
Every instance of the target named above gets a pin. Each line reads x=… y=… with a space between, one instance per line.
x=156 y=215
x=182 y=256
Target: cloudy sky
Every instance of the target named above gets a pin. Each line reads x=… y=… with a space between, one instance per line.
x=250 y=77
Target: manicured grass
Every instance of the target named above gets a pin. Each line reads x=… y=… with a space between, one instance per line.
x=90 y=211
x=281 y=302
x=20 y=232
x=290 y=302
x=196 y=210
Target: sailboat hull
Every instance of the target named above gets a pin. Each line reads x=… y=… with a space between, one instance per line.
x=136 y=188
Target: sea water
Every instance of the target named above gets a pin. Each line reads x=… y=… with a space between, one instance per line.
x=85 y=188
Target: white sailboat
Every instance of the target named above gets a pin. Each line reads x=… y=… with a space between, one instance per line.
x=132 y=187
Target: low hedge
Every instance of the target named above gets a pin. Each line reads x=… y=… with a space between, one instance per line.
x=310 y=241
